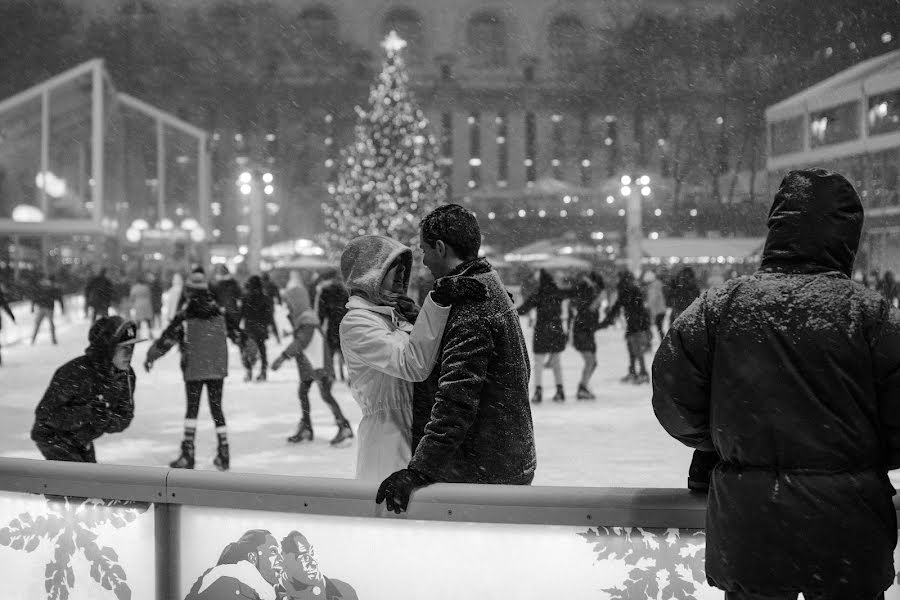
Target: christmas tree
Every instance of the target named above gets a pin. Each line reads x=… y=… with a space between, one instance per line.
x=388 y=178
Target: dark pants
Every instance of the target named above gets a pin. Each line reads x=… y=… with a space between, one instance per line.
x=325 y=391
x=793 y=596
x=658 y=319
x=44 y=313
x=99 y=310
x=213 y=393
x=330 y=347
x=259 y=338
x=637 y=344
x=68 y=450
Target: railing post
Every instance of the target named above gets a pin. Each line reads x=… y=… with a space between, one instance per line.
x=167 y=525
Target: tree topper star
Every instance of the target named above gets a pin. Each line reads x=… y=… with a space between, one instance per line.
x=393 y=43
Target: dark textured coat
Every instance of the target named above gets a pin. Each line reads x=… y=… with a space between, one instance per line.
x=257 y=311
x=46 y=295
x=332 y=308
x=98 y=293
x=84 y=400
x=479 y=427
x=792 y=376
x=200 y=330
x=228 y=295
x=549 y=335
x=630 y=301
x=587 y=318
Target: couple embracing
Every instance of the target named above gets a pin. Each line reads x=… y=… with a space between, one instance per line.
x=443 y=387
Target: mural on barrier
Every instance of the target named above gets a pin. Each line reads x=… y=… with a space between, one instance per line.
x=62 y=548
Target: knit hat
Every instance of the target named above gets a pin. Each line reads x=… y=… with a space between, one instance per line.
x=196 y=280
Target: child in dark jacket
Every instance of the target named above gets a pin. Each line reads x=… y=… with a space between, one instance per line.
x=201 y=329
x=90 y=395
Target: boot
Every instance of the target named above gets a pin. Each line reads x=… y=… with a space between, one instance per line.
x=538 y=395
x=345 y=432
x=560 y=395
x=584 y=393
x=304 y=434
x=630 y=378
x=222 y=460
x=248 y=376
x=262 y=375
x=642 y=378
x=186 y=460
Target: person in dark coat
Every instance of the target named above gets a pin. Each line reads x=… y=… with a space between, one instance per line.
x=249 y=568
x=4 y=305
x=480 y=428
x=98 y=295
x=889 y=289
x=89 y=395
x=630 y=300
x=200 y=329
x=791 y=376
x=227 y=292
x=550 y=338
x=585 y=303
x=156 y=297
x=331 y=307
x=683 y=290
x=270 y=289
x=44 y=297
x=257 y=314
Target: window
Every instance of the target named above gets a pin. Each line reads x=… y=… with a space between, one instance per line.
x=884 y=113
x=317 y=31
x=568 y=43
x=408 y=25
x=786 y=136
x=486 y=40
x=833 y=125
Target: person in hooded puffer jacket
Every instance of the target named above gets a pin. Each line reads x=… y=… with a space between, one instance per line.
x=200 y=329
x=90 y=395
x=385 y=353
x=791 y=377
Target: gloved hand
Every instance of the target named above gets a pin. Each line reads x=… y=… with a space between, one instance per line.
x=397 y=488
x=407 y=307
x=458 y=290
x=148 y=364
x=276 y=364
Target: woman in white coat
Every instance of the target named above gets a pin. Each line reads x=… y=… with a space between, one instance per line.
x=385 y=353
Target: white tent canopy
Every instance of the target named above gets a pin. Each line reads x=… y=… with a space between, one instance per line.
x=703 y=249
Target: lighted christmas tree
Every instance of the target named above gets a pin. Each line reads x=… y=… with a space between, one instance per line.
x=388 y=178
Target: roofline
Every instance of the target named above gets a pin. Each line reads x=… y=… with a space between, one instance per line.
x=835 y=80
x=157 y=113
x=36 y=91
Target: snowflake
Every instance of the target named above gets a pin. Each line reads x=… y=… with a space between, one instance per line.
x=666 y=563
x=70 y=525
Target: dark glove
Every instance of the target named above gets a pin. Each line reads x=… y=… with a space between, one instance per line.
x=407 y=307
x=458 y=290
x=397 y=488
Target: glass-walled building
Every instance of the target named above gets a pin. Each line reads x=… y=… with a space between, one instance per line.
x=89 y=174
x=849 y=123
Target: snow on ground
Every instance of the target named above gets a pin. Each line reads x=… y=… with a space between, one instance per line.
x=613 y=441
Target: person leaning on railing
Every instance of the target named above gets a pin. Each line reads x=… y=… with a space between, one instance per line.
x=791 y=376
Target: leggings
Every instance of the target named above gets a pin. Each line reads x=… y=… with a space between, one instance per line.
x=308 y=376
x=44 y=313
x=259 y=338
x=214 y=395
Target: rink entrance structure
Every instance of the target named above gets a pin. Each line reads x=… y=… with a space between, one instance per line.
x=849 y=123
x=81 y=163
x=108 y=531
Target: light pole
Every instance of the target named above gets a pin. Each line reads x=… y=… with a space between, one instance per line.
x=634 y=190
x=254 y=184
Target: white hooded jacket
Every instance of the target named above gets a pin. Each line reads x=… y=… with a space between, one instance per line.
x=385 y=354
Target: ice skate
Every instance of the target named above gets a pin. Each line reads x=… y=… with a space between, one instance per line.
x=560 y=395
x=584 y=393
x=248 y=376
x=642 y=378
x=304 y=434
x=186 y=459
x=222 y=460
x=538 y=396
x=262 y=376
x=343 y=437
x=630 y=378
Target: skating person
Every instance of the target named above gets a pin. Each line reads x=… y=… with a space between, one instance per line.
x=550 y=338
x=141 y=298
x=682 y=292
x=630 y=300
x=200 y=329
x=45 y=295
x=98 y=295
x=90 y=395
x=304 y=328
x=791 y=377
x=257 y=315
x=385 y=353
x=4 y=305
x=331 y=306
x=656 y=301
x=156 y=298
x=227 y=292
x=585 y=303
x=274 y=294
x=479 y=428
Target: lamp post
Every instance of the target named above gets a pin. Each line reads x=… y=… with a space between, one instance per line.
x=634 y=190
x=254 y=184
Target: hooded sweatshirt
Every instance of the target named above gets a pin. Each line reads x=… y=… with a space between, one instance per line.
x=792 y=377
x=384 y=354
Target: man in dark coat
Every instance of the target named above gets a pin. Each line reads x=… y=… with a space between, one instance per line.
x=792 y=377
x=257 y=314
x=98 y=295
x=227 y=292
x=331 y=307
x=44 y=297
x=90 y=395
x=480 y=428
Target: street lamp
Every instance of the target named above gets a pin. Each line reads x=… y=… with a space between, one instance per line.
x=633 y=224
